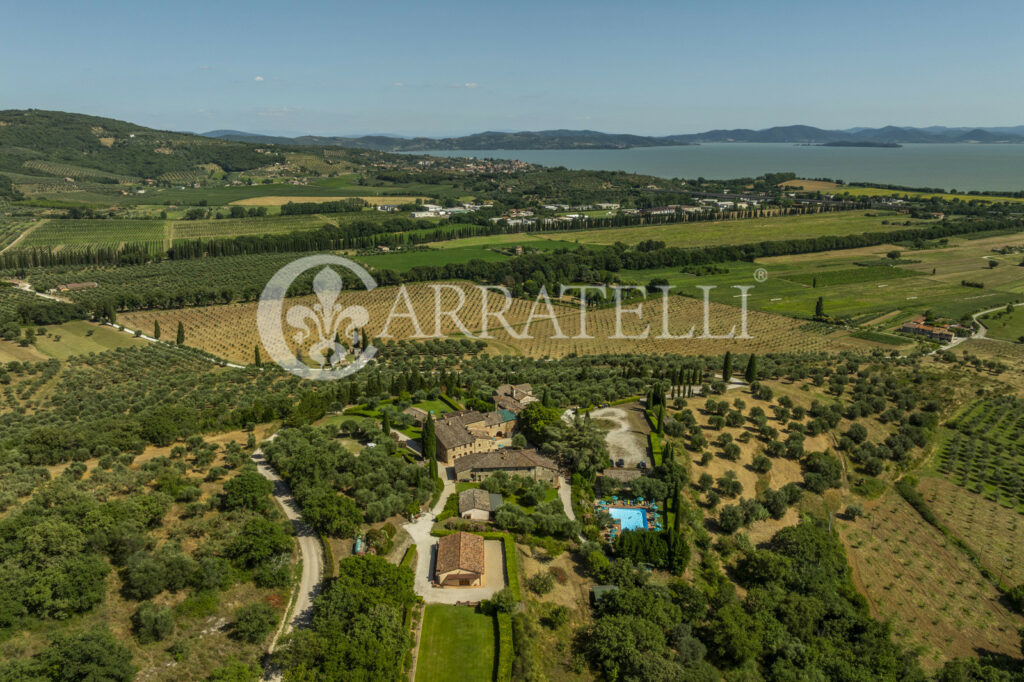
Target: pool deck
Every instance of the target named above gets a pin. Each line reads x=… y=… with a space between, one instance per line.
x=652 y=516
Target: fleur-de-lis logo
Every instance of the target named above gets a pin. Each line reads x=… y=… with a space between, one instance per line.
x=323 y=323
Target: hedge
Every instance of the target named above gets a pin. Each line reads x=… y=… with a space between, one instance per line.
x=449 y=402
x=656 y=448
x=409 y=557
x=511 y=562
x=328 y=557
x=506 y=651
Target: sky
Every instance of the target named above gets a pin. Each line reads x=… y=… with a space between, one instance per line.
x=451 y=68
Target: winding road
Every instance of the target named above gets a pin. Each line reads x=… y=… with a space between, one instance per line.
x=310 y=550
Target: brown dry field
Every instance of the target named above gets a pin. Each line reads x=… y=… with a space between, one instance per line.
x=783 y=470
x=990 y=529
x=810 y=185
x=916 y=578
x=229 y=331
x=281 y=201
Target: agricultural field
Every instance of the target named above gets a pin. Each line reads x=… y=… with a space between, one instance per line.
x=229 y=331
x=79 y=234
x=271 y=200
x=864 y=284
x=79 y=337
x=236 y=227
x=11 y=229
x=746 y=231
x=456 y=633
x=401 y=261
x=990 y=529
x=1005 y=325
x=880 y=192
x=918 y=579
x=532 y=240
x=982 y=449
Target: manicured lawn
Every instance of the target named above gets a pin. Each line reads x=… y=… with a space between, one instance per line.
x=457 y=644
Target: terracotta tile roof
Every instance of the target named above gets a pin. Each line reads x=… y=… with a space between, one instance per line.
x=505 y=459
x=460 y=552
x=478 y=498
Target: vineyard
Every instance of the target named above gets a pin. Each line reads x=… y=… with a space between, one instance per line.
x=236 y=227
x=67 y=170
x=98 y=233
x=229 y=331
x=12 y=228
x=984 y=450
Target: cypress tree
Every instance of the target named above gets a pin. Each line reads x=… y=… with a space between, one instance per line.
x=429 y=441
x=257 y=360
x=819 y=308
x=156 y=329
x=385 y=424
x=750 y=374
x=181 y=334
x=727 y=367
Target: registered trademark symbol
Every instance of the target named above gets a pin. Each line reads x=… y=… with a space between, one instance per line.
x=760 y=275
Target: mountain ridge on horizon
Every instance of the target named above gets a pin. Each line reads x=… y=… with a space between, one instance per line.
x=591 y=139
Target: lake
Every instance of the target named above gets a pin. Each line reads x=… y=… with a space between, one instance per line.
x=949 y=166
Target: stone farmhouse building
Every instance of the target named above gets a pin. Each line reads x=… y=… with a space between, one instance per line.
x=460 y=561
x=528 y=462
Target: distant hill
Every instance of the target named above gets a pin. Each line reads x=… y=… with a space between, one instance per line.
x=591 y=139
x=56 y=143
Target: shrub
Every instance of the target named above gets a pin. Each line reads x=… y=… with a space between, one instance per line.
x=253 y=622
x=151 y=623
x=541 y=583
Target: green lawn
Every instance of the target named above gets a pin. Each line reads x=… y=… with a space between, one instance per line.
x=457 y=645
x=1006 y=326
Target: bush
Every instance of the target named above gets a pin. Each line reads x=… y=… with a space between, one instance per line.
x=556 y=617
x=1016 y=598
x=151 y=623
x=253 y=622
x=542 y=583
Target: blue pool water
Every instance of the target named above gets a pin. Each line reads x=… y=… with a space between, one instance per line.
x=631 y=519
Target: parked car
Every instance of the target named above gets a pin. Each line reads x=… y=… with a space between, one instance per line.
x=621 y=463
x=642 y=465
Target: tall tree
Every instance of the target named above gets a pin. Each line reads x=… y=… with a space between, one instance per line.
x=156 y=329
x=819 y=308
x=727 y=367
x=750 y=374
x=181 y=334
x=429 y=439
x=257 y=360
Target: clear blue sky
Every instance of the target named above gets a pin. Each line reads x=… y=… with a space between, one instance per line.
x=450 y=68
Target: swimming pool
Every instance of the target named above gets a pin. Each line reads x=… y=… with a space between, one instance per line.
x=631 y=519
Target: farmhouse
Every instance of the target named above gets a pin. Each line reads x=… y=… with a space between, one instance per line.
x=478 y=504
x=933 y=332
x=468 y=431
x=529 y=463
x=75 y=286
x=460 y=561
x=514 y=398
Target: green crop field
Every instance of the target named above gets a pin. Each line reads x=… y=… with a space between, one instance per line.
x=99 y=233
x=728 y=232
x=401 y=261
x=457 y=645
x=878 y=192
x=929 y=279
x=235 y=227
x=1005 y=326
x=79 y=337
